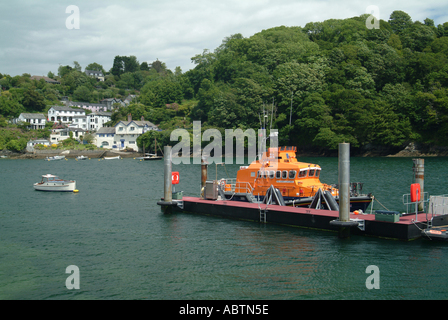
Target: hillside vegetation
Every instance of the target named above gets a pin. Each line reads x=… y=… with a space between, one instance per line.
x=327 y=82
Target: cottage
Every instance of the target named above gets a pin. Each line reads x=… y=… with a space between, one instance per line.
x=30 y=144
x=129 y=99
x=109 y=103
x=94 y=107
x=59 y=135
x=46 y=79
x=127 y=132
x=34 y=120
x=105 y=137
x=95 y=74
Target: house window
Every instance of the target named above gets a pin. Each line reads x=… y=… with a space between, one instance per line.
x=120 y=129
x=132 y=128
x=131 y=142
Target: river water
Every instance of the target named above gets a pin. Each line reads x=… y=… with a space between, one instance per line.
x=125 y=248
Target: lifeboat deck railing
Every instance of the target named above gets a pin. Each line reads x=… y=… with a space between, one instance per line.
x=230 y=185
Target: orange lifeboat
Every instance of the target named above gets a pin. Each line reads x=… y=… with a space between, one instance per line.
x=298 y=182
x=294 y=179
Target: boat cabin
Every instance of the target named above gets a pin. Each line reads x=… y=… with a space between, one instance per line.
x=279 y=167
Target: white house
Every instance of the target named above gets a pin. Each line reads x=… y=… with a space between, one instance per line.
x=96 y=120
x=64 y=114
x=35 y=120
x=105 y=137
x=59 y=135
x=30 y=144
x=95 y=74
x=127 y=132
x=80 y=122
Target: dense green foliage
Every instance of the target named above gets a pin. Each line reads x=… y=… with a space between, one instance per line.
x=328 y=82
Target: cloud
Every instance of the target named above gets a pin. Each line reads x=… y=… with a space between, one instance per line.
x=34 y=38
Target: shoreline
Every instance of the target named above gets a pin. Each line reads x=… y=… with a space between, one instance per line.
x=71 y=155
x=108 y=153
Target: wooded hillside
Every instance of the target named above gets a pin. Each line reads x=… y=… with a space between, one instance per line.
x=329 y=82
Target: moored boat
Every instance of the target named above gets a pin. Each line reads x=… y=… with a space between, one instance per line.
x=81 y=157
x=439 y=233
x=112 y=158
x=150 y=156
x=51 y=182
x=298 y=182
x=55 y=158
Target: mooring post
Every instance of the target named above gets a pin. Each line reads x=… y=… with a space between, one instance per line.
x=344 y=222
x=419 y=175
x=344 y=182
x=168 y=194
x=204 y=165
x=167 y=204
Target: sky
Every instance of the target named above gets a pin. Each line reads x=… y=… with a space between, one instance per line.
x=36 y=36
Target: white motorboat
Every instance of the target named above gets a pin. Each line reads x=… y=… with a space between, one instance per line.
x=112 y=158
x=53 y=183
x=55 y=158
x=81 y=157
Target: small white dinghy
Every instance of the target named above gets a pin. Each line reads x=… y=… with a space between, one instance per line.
x=112 y=158
x=53 y=183
x=55 y=158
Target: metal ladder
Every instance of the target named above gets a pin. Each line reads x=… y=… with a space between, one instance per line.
x=263 y=216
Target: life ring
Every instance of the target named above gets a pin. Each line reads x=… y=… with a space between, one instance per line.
x=175 y=177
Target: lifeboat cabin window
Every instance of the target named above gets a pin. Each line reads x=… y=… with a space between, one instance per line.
x=317 y=173
x=292 y=174
x=284 y=174
x=311 y=173
x=278 y=175
x=302 y=173
x=271 y=174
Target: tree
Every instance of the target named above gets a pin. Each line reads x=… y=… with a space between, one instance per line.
x=144 y=66
x=82 y=93
x=95 y=67
x=399 y=21
x=118 y=66
x=33 y=100
x=77 y=66
x=63 y=70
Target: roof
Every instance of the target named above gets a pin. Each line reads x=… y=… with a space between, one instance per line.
x=138 y=123
x=79 y=103
x=33 y=116
x=72 y=129
x=39 y=140
x=102 y=113
x=58 y=108
x=106 y=130
x=45 y=78
x=95 y=72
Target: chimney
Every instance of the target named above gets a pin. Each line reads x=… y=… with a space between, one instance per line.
x=129 y=117
x=143 y=118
